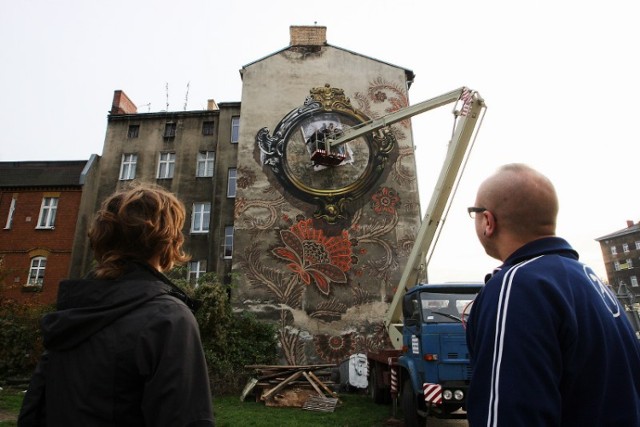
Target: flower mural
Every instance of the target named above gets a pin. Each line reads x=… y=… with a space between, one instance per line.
x=314 y=257
x=335 y=348
x=385 y=200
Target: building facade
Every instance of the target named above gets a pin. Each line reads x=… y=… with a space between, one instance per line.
x=39 y=204
x=316 y=236
x=322 y=234
x=190 y=153
x=621 y=255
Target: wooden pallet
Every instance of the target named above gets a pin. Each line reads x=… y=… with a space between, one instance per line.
x=321 y=404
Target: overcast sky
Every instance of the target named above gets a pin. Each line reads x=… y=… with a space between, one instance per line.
x=560 y=79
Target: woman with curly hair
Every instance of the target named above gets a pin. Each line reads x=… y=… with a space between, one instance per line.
x=123 y=347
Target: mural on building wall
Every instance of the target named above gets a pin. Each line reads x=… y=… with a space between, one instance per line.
x=324 y=251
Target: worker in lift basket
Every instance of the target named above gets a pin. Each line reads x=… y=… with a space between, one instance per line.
x=550 y=345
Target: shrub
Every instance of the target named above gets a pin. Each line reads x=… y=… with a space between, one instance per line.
x=20 y=339
x=231 y=340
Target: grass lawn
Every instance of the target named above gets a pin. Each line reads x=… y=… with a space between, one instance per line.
x=356 y=410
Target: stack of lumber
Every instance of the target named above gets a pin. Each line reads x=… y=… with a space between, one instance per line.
x=304 y=386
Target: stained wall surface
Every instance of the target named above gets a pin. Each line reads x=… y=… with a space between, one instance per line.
x=326 y=284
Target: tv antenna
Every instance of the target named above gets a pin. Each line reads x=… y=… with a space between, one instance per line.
x=166 y=88
x=186 y=97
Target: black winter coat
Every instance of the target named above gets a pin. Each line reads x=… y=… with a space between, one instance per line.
x=123 y=352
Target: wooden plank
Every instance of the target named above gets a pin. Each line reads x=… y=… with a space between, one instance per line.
x=281 y=385
x=308 y=377
x=305 y=367
x=327 y=389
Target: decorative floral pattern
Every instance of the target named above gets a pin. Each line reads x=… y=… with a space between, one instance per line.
x=285 y=254
x=385 y=200
x=315 y=257
x=334 y=348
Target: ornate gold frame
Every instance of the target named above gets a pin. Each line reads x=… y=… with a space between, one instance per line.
x=333 y=203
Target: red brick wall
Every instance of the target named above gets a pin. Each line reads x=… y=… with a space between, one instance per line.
x=22 y=241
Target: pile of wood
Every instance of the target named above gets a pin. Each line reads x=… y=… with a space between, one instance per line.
x=306 y=386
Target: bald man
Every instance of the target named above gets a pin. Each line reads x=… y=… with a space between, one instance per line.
x=550 y=345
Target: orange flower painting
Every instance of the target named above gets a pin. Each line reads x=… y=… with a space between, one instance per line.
x=314 y=257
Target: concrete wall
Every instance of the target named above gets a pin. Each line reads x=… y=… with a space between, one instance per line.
x=150 y=142
x=327 y=289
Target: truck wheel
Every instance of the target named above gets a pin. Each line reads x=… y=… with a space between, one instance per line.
x=379 y=394
x=410 y=408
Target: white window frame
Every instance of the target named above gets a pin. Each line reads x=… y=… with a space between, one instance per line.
x=48 y=211
x=12 y=210
x=232 y=181
x=166 y=165
x=200 y=217
x=235 y=129
x=614 y=251
x=616 y=265
x=634 y=281
x=629 y=263
x=195 y=270
x=128 y=166
x=637 y=244
x=625 y=247
x=36 y=271
x=205 y=163
x=228 y=242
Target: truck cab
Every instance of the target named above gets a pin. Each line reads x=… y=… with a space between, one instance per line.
x=435 y=358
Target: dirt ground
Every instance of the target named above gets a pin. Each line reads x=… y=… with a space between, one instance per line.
x=6 y=416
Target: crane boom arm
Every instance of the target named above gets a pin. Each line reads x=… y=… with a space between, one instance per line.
x=396 y=116
x=468 y=123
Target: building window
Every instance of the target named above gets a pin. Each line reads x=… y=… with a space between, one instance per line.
x=207 y=128
x=638 y=244
x=228 y=241
x=166 y=165
x=629 y=263
x=196 y=270
x=625 y=247
x=133 y=131
x=128 y=167
x=616 y=265
x=235 y=129
x=231 y=182
x=48 y=209
x=169 y=130
x=200 y=217
x=206 y=159
x=12 y=209
x=613 y=250
x=36 y=271
x=634 y=281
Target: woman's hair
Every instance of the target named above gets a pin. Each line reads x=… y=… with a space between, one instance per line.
x=139 y=223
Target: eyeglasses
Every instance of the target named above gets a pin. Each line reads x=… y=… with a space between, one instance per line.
x=475 y=210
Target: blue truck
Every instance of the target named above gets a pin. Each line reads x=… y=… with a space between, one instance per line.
x=426 y=368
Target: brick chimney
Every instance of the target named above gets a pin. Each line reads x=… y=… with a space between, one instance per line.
x=122 y=104
x=212 y=105
x=629 y=223
x=308 y=35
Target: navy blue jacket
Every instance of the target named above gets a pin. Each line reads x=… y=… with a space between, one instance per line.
x=551 y=346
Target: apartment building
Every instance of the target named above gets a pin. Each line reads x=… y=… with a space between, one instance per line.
x=190 y=153
x=621 y=255
x=39 y=204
